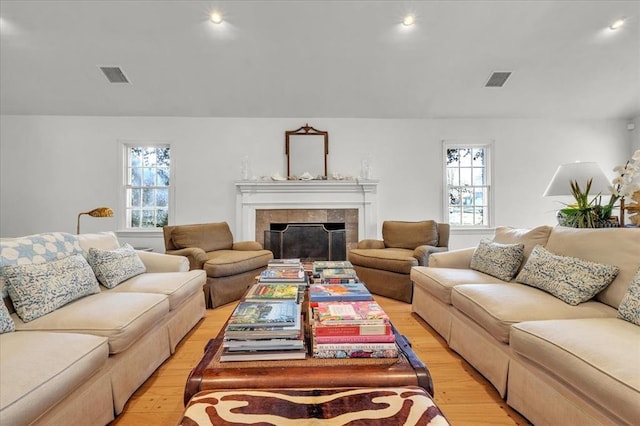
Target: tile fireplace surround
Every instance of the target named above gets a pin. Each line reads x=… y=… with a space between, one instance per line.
x=258 y=203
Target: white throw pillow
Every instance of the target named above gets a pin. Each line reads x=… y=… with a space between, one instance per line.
x=570 y=279
x=115 y=266
x=38 y=289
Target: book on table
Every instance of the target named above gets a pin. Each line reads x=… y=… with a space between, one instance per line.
x=261 y=313
x=339 y=275
x=274 y=355
x=264 y=343
x=350 y=313
x=347 y=336
x=338 y=292
x=274 y=291
x=296 y=275
x=285 y=263
x=343 y=330
x=356 y=353
x=319 y=265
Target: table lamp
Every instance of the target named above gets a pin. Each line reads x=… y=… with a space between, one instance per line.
x=97 y=212
x=579 y=172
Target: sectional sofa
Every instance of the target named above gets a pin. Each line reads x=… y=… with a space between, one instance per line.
x=74 y=351
x=556 y=332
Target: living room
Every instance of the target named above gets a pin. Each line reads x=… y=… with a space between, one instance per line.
x=223 y=95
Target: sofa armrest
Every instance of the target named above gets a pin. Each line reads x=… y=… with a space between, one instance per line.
x=370 y=244
x=159 y=262
x=196 y=256
x=423 y=253
x=456 y=259
x=247 y=246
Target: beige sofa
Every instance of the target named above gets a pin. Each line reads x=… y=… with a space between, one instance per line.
x=81 y=363
x=553 y=362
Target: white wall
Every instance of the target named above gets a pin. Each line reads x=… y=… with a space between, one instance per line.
x=53 y=167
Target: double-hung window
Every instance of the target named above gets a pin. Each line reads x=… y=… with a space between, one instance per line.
x=468 y=185
x=148 y=186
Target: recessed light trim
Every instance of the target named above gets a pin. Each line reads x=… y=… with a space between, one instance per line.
x=617 y=24
x=216 y=17
x=498 y=79
x=114 y=75
x=409 y=20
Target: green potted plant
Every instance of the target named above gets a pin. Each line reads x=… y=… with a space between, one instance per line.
x=583 y=213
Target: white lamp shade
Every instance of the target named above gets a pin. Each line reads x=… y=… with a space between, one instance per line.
x=580 y=172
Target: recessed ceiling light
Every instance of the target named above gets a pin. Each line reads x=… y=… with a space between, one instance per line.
x=216 y=17
x=618 y=23
x=409 y=20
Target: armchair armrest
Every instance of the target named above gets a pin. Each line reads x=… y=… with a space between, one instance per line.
x=159 y=262
x=370 y=244
x=423 y=253
x=457 y=259
x=196 y=256
x=247 y=246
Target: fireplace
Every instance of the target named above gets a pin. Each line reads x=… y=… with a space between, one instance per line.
x=307 y=241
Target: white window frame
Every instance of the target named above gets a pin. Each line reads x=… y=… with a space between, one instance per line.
x=489 y=214
x=123 y=155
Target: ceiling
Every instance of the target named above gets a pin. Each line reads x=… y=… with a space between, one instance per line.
x=321 y=58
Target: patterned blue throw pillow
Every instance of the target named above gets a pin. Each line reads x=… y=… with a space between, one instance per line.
x=6 y=323
x=570 y=279
x=38 y=289
x=115 y=266
x=629 y=309
x=496 y=259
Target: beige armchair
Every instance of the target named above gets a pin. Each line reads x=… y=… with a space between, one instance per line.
x=230 y=267
x=385 y=265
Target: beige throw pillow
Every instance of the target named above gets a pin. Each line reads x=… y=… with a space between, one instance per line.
x=629 y=309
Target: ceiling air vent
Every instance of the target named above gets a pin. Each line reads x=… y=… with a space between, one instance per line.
x=114 y=74
x=498 y=79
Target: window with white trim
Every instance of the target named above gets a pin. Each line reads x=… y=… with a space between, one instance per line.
x=467 y=169
x=147 y=186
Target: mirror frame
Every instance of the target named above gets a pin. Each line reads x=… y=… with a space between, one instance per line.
x=306 y=130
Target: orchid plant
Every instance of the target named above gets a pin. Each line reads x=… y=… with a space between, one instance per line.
x=627 y=181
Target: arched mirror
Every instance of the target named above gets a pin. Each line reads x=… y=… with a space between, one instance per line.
x=306 y=149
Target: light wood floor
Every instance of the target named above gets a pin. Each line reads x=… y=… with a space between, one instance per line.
x=462 y=394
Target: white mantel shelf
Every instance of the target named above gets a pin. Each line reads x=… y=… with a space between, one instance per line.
x=318 y=194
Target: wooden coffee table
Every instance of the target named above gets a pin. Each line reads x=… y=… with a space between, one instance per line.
x=310 y=373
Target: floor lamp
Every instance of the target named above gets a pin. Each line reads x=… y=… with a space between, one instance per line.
x=97 y=212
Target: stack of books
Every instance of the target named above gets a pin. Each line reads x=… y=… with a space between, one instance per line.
x=264 y=329
x=351 y=329
x=320 y=265
x=338 y=276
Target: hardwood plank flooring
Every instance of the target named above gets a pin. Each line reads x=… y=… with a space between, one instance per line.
x=462 y=394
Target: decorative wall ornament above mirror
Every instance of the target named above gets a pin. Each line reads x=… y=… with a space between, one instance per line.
x=306 y=149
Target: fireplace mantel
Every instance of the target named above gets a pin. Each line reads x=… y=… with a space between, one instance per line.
x=315 y=194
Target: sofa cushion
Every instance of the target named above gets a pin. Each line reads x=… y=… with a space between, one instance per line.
x=495 y=307
x=177 y=286
x=6 y=323
x=568 y=278
x=409 y=235
x=208 y=236
x=609 y=246
x=37 y=289
x=30 y=386
x=121 y=317
x=496 y=259
x=389 y=259
x=99 y=240
x=629 y=309
x=224 y=263
x=38 y=248
x=529 y=237
x=597 y=358
x=115 y=266
x=440 y=281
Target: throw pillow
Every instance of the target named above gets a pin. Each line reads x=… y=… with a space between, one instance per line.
x=6 y=323
x=38 y=289
x=115 y=266
x=570 y=279
x=499 y=260
x=629 y=309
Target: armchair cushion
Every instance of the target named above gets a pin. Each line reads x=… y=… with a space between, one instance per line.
x=409 y=235
x=394 y=260
x=208 y=237
x=223 y=263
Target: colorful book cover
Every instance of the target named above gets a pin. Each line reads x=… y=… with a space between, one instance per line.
x=339 y=273
x=265 y=313
x=285 y=263
x=283 y=275
x=355 y=312
x=273 y=291
x=319 y=265
x=374 y=338
x=272 y=355
x=339 y=292
x=350 y=330
x=352 y=347
x=356 y=353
